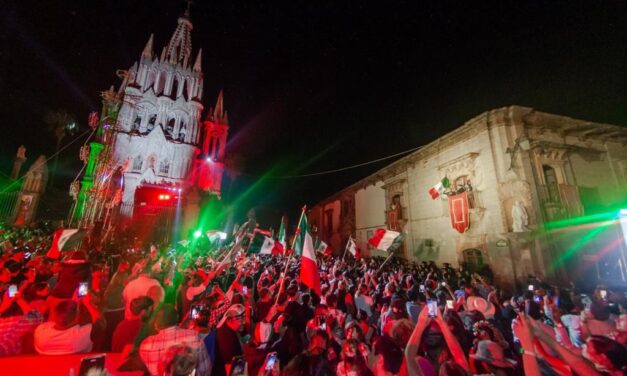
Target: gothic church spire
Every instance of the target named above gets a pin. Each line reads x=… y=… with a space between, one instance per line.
x=179 y=49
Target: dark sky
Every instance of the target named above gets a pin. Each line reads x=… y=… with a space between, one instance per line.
x=312 y=86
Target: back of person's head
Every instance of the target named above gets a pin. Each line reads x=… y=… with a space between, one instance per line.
x=565 y=303
x=292 y=290
x=306 y=299
x=140 y=304
x=600 y=311
x=166 y=317
x=401 y=331
x=179 y=360
x=391 y=353
x=65 y=313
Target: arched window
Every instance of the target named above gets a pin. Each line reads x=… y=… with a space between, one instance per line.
x=161 y=84
x=137 y=123
x=151 y=123
x=169 y=129
x=137 y=163
x=182 y=132
x=175 y=88
x=550 y=178
x=185 y=91
x=164 y=167
x=474 y=259
x=463 y=184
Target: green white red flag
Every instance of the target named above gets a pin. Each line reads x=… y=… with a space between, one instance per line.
x=304 y=247
x=352 y=248
x=439 y=188
x=282 y=238
x=383 y=239
x=64 y=240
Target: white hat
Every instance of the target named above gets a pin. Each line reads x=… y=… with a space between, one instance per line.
x=477 y=303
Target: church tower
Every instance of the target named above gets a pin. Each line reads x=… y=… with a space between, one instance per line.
x=210 y=166
x=160 y=133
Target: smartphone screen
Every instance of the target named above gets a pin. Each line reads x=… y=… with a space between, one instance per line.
x=12 y=290
x=270 y=360
x=195 y=311
x=531 y=288
x=432 y=306
x=443 y=283
x=238 y=366
x=603 y=294
x=245 y=290
x=449 y=304
x=422 y=288
x=82 y=289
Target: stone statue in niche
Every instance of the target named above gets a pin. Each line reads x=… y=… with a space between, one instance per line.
x=520 y=220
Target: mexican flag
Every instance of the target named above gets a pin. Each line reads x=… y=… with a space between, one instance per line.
x=265 y=245
x=64 y=240
x=304 y=247
x=383 y=239
x=282 y=238
x=439 y=188
x=322 y=247
x=352 y=248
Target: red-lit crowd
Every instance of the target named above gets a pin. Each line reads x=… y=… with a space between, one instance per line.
x=180 y=312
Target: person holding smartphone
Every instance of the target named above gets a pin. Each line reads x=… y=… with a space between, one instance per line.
x=65 y=334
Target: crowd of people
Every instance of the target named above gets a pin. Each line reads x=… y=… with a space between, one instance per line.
x=183 y=311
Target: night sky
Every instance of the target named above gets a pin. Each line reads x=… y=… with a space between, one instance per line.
x=313 y=86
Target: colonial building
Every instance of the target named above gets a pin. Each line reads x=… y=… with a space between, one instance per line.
x=506 y=176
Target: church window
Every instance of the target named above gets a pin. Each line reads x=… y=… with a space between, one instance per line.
x=151 y=122
x=550 y=178
x=161 y=84
x=175 y=88
x=137 y=163
x=164 y=167
x=170 y=128
x=185 y=89
x=182 y=132
x=137 y=123
x=463 y=184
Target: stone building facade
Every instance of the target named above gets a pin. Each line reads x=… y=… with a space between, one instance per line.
x=520 y=169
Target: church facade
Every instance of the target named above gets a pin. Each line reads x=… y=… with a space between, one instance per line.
x=486 y=193
x=161 y=138
x=154 y=160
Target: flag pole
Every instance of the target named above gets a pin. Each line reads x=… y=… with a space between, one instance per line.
x=302 y=213
x=386 y=260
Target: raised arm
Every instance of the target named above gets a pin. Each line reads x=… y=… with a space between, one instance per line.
x=413 y=344
x=523 y=331
x=573 y=360
x=451 y=342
